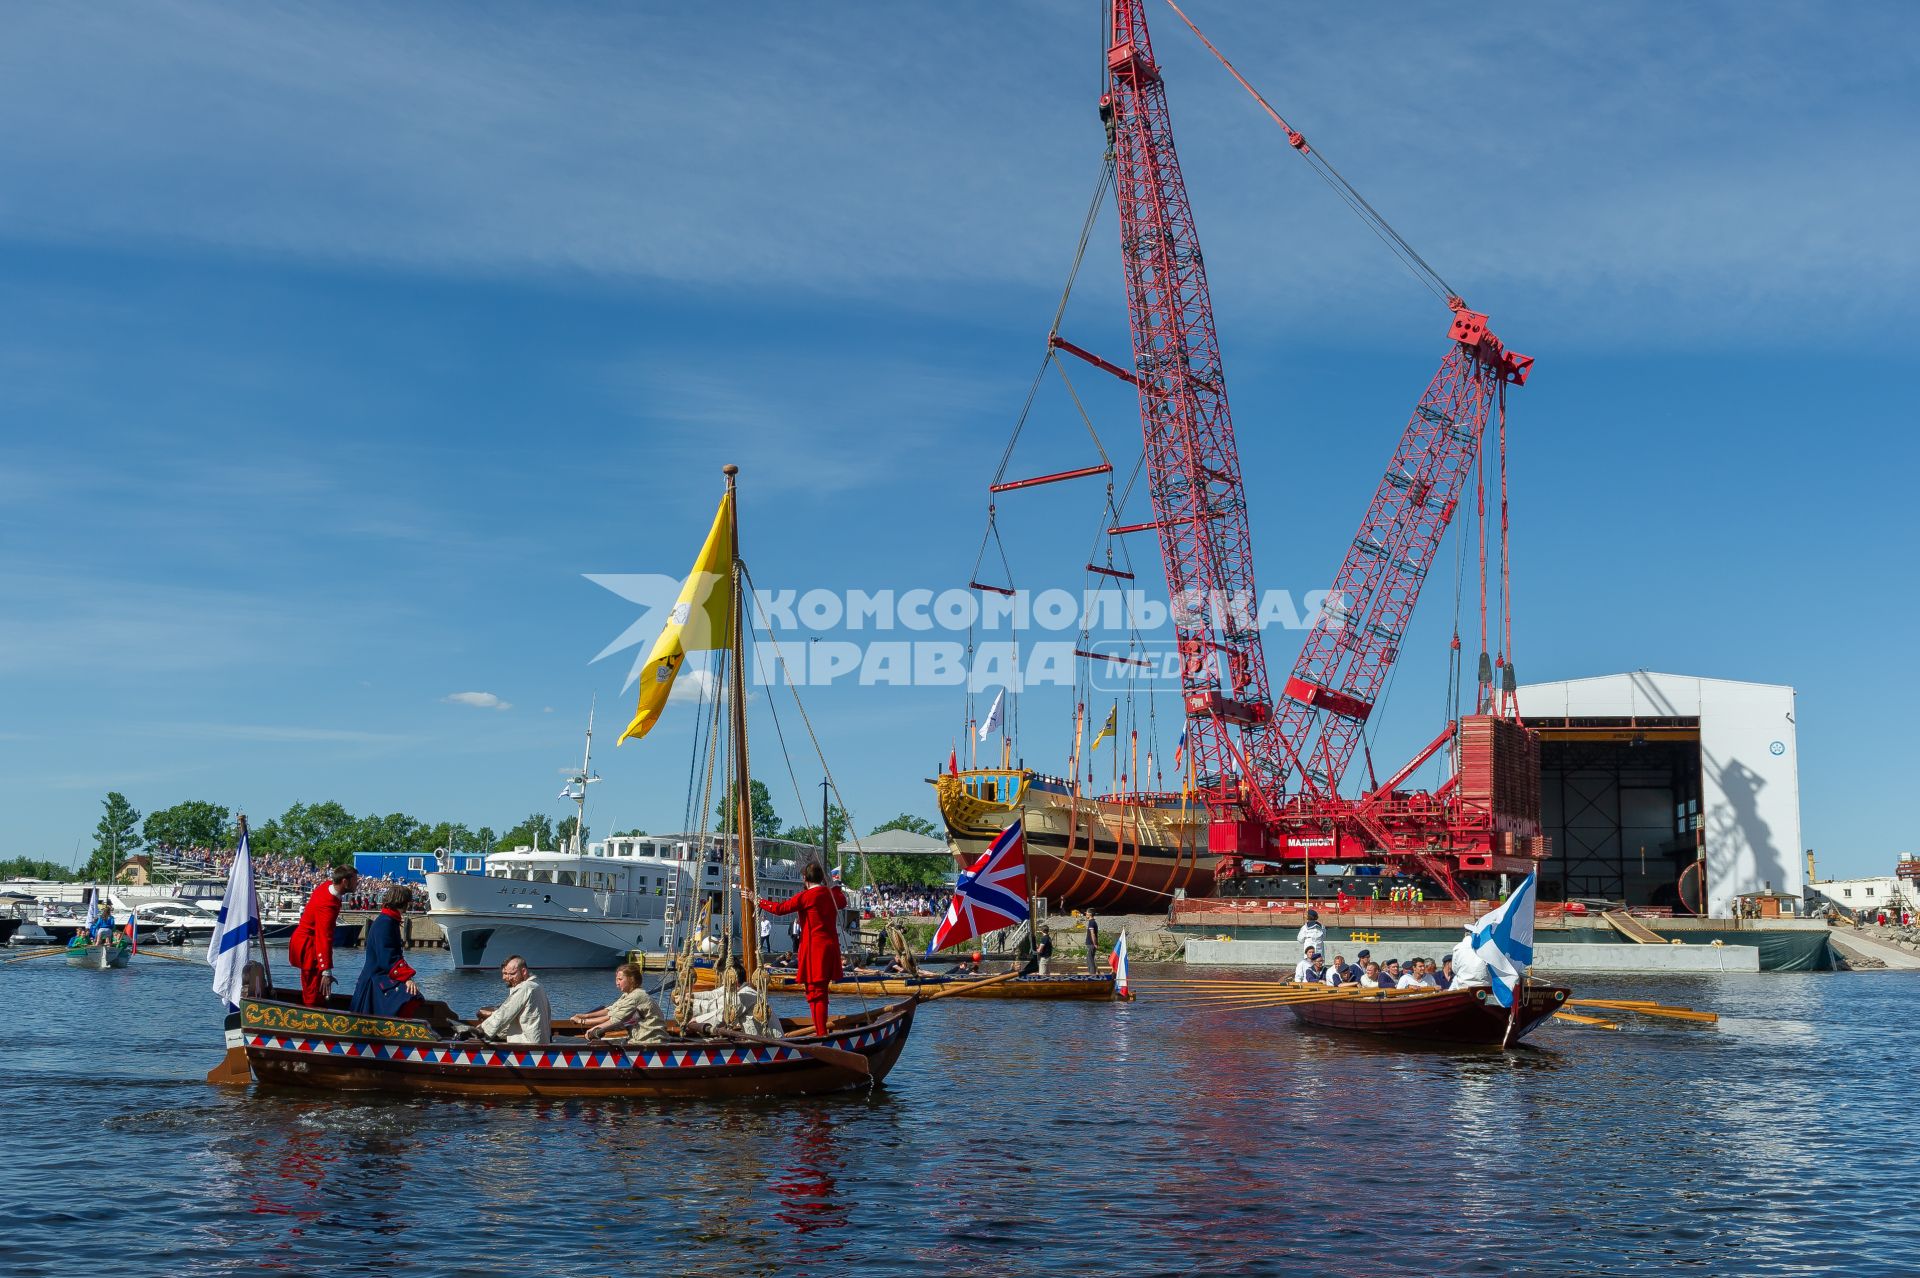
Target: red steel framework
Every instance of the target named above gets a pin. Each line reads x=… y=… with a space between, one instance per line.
x=1200 y=514
x=1193 y=464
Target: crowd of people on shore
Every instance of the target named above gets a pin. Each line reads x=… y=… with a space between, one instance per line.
x=887 y=900
x=291 y=874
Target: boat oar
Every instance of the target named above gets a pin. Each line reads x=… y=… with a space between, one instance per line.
x=171 y=958
x=947 y=991
x=1578 y=1019
x=1647 y=1009
x=46 y=953
x=839 y=1057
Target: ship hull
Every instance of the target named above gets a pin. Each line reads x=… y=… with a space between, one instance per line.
x=1083 y=853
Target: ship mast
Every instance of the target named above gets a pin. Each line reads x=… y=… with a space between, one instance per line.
x=742 y=784
x=577 y=786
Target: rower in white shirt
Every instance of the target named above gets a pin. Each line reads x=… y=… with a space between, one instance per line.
x=524 y=1016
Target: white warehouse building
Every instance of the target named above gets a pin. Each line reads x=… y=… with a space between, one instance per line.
x=1659 y=789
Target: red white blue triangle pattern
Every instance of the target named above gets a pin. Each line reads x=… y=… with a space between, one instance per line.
x=516 y=1056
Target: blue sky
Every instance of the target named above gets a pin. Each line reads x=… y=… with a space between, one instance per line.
x=340 y=341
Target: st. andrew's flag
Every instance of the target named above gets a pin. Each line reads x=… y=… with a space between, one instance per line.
x=238 y=923
x=990 y=894
x=1502 y=941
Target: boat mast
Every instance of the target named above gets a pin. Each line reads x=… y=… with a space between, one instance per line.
x=742 y=784
x=583 y=779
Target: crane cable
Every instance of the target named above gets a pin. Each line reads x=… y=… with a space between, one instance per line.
x=1396 y=243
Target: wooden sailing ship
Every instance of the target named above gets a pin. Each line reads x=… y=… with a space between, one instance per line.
x=1122 y=853
x=332 y=1047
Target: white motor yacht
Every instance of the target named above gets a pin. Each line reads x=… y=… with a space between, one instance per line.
x=569 y=909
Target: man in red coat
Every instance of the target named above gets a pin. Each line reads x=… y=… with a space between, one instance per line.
x=310 y=948
x=819 y=909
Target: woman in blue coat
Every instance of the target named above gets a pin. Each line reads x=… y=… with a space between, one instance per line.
x=386 y=986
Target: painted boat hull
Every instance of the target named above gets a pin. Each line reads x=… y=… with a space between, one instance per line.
x=1468 y=1016
x=291 y=1045
x=1083 y=853
x=98 y=958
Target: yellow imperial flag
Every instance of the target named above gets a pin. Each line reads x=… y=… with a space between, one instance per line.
x=701 y=620
x=1112 y=724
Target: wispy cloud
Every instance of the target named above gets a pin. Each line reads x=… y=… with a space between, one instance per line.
x=479 y=700
x=1586 y=162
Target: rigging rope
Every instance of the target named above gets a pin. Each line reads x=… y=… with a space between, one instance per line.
x=1383 y=230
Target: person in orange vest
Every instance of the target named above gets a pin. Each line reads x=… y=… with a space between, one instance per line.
x=310 y=948
x=818 y=907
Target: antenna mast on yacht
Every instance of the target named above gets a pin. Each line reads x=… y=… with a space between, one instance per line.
x=577 y=785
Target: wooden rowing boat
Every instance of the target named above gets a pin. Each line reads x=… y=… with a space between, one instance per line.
x=886 y=985
x=292 y=1045
x=98 y=958
x=1443 y=1016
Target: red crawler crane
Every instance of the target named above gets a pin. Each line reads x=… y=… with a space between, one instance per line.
x=1271 y=780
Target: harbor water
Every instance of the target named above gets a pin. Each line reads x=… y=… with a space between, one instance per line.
x=1013 y=1138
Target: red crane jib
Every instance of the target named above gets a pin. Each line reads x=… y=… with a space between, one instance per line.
x=1192 y=459
x=1245 y=748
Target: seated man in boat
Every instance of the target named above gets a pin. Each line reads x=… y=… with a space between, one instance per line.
x=1444 y=977
x=633 y=1011
x=1341 y=972
x=524 y=1016
x=1373 y=978
x=1303 y=970
x=1390 y=974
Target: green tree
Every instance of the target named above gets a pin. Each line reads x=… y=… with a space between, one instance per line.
x=564 y=832
x=910 y=823
x=766 y=822
x=484 y=838
x=194 y=823
x=912 y=871
x=837 y=830
x=931 y=871
x=629 y=834
x=265 y=839
x=21 y=867
x=117 y=834
x=324 y=833
x=536 y=831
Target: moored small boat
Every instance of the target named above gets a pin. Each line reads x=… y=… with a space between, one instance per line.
x=1471 y=1016
x=293 y=1045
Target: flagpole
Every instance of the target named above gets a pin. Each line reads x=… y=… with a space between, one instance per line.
x=253 y=900
x=1513 y=1014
